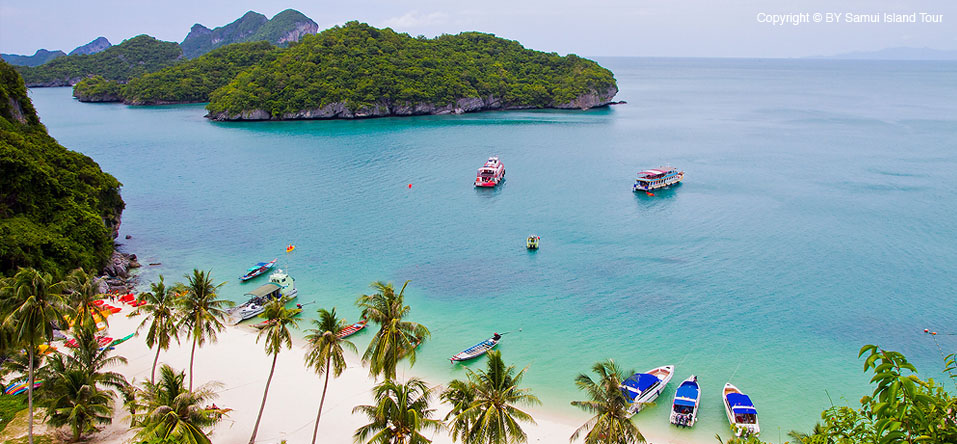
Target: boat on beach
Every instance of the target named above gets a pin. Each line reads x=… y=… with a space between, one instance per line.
x=280 y=285
x=477 y=349
x=742 y=414
x=657 y=178
x=644 y=388
x=684 y=407
x=491 y=174
x=352 y=329
x=258 y=269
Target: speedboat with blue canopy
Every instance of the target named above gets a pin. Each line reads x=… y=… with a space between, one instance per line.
x=684 y=408
x=742 y=414
x=643 y=388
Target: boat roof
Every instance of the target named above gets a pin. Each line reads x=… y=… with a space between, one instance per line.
x=684 y=402
x=741 y=403
x=639 y=382
x=689 y=391
x=264 y=289
x=655 y=172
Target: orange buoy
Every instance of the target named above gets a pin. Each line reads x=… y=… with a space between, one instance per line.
x=410 y=185
x=926 y=330
x=649 y=193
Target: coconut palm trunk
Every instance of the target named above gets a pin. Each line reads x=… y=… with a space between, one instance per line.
x=153 y=371
x=252 y=439
x=30 y=392
x=192 y=354
x=325 y=385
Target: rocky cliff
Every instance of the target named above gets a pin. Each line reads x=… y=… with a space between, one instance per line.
x=97 y=45
x=287 y=26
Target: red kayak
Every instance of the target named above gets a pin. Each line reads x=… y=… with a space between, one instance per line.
x=352 y=329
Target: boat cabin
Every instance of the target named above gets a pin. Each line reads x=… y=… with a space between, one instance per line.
x=743 y=408
x=685 y=399
x=265 y=292
x=638 y=384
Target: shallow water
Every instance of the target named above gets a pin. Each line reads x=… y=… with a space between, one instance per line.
x=817 y=215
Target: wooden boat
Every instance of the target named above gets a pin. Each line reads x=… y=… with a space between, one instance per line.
x=352 y=329
x=532 y=242
x=258 y=269
x=741 y=412
x=491 y=174
x=477 y=349
x=644 y=388
x=657 y=178
x=684 y=408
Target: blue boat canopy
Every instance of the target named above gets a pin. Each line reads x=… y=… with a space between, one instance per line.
x=741 y=404
x=689 y=391
x=638 y=383
x=685 y=402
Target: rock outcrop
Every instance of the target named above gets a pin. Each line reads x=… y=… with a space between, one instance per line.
x=285 y=27
x=97 y=45
x=339 y=110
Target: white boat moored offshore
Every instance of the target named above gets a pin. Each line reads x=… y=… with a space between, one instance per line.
x=280 y=285
x=741 y=412
x=657 y=178
x=684 y=408
x=643 y=388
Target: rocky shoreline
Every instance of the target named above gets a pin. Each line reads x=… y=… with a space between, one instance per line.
x=339 y=110
x=117 y=276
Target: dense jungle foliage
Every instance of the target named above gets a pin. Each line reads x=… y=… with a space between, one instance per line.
x=359 y=65
x=57 y=208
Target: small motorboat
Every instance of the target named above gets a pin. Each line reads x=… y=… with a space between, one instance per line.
x=352 y=329
x=684 y=408
x=477 y=349
x=532 y=242
x=258 y=269
x=280 y=285
x=741 y=412
x=644 y=388
x=491 y=174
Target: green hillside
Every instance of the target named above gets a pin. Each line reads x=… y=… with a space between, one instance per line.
x=136 y=56
x=363 y=67
x=285 y=27
x=57 y=208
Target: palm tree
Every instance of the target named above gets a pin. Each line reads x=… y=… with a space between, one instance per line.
x=276 y=333
x=82 y=289
x=396 y=339
x=35 y=302
x=201 y=313
x=173 y=413
x=325 y=354
x=492 y=416
x=92 y=359
x=72 y=398
x=400 y=413
x=611 y=423
x=161 y=315
x=459 y=394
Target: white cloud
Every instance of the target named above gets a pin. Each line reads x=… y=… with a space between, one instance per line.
x=413 y=19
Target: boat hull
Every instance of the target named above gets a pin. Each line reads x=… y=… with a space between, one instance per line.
x=690 y=418
x=740 y=428
x=664 y=374
x=474 y=351
x=665 y=183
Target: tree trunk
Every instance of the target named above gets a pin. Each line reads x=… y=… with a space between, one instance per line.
x=252 y=439
x=191 y=355
x=153 y=372
x=30 y=392
x=315 y=430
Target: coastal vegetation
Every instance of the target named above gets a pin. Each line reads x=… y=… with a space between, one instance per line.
x=276 y=337
x=402 y=411
x=160 y=315
x=360 y=67
x=135 y=56
x=201 y=312
x=174 y=414
x=611 y=422
x=58 y=209
x=396 y=339
x=325 y=352
x=186 y=82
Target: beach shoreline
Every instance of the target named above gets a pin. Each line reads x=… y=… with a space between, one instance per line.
x=242 y=366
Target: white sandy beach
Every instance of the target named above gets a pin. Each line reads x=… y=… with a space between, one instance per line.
x=241 y=365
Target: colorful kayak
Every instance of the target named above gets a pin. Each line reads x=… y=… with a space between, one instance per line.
x=477 y=349
x=352 y=329
x=258 y=269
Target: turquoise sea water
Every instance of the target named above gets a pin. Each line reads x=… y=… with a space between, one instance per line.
x=817 y=215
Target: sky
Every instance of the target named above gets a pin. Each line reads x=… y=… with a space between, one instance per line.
x=657 y=28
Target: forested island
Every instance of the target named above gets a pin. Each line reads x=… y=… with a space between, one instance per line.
x=356 y=70
x=58 y=209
